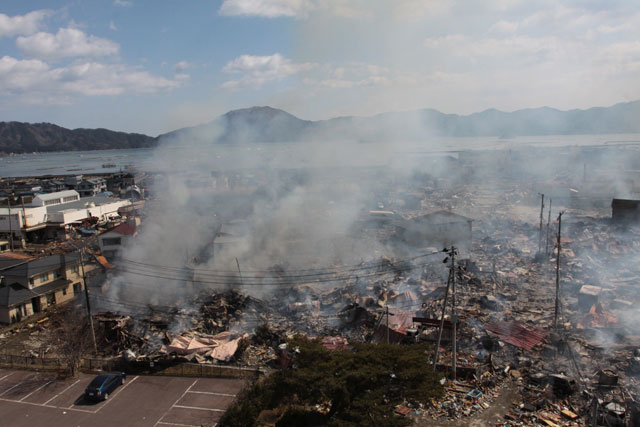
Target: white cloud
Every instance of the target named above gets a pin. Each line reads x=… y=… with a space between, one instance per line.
x=67 y=42
x=267 y=8
x=180 y=71
x=182 y=66
x=32 y=80
x=112 y=26
x=257 y=70
x=22 y=25
x=411 y=10
x=122 y=3
x=503 y=26
x=543 y=47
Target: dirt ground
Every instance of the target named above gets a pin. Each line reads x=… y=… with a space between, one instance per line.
x=489 y=417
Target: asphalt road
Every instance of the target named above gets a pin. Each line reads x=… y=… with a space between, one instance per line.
x=34 y=399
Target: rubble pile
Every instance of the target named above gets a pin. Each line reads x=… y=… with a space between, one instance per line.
x=583 y=371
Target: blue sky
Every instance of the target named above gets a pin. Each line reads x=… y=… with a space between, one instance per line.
x=154 y=66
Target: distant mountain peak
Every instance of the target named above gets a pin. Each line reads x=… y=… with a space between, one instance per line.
x=262 y=111
x=268 y=124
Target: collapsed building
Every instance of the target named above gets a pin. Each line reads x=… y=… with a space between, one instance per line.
x=232 y=263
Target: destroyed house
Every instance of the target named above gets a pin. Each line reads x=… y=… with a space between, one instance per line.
x=111 y=241
x=30 y=286
x=437 y=229
x=624 y=210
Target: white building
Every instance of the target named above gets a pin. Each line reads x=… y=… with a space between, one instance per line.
x=111 y=241
x=57 y=198
x=55 y=212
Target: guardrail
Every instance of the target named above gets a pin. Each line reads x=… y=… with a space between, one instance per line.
x=164 y=368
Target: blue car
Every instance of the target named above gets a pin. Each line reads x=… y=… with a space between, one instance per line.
x=103 y=385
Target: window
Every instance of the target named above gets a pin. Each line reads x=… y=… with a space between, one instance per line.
x=70 y=199
x=52 y=202
x=64 y=291
x=31 y=280
x=75 y=269
x=44 y=277
x=57 y=274
x=76 y=288
x=111 y=241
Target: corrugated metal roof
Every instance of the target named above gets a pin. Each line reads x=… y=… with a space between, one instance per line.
x=516 y=334
x=124 y=229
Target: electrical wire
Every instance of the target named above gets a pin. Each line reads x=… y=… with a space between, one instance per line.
x=261 y=273
x=243 y=282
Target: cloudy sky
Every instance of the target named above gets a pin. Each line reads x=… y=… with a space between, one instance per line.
x=157 y=65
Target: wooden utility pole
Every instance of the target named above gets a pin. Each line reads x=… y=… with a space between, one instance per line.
x=541 y=220
x=10 y=226
x=444 y=310
x=454 y=314
x=555 y=314
x=86 y=294
x=546 y=246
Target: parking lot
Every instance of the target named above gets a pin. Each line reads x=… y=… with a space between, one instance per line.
x=33 y=399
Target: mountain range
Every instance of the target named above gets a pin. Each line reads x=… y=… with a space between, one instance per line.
x=266 y=124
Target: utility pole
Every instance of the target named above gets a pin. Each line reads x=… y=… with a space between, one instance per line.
x=546 y=246
x=10 y=226
x=454 y=314
x=86 y=294
x=555 y=314
x=387 y=309
x=444 y=310
x=239 y=272
x=541 y=219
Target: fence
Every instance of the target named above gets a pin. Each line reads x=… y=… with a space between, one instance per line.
x=204 y=370
x=54 y=363
x=93 y=365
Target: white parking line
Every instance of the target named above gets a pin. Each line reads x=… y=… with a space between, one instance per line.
x=213 y=393
x=176 y=424
x=9 y=389
x=41 y=387
x=118 y=391
x=8 y=375
x=202 y=409
x=45 y=403
x=176 y=402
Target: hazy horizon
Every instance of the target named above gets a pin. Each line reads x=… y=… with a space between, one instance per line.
x=150 y=68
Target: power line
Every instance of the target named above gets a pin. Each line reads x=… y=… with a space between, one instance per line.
x=261 y=273
x=142 y=272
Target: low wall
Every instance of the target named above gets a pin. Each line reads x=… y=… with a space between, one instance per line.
x=90 y=365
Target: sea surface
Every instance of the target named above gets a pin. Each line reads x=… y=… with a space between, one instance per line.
x=294 y=154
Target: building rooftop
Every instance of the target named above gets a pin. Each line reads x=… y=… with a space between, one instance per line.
x=124 y=229
x=10 y=259
x=56 y=195
x=41 y=265
x=15 y=293
x=84 y=203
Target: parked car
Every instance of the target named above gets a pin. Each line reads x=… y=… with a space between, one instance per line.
x=103 y=385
